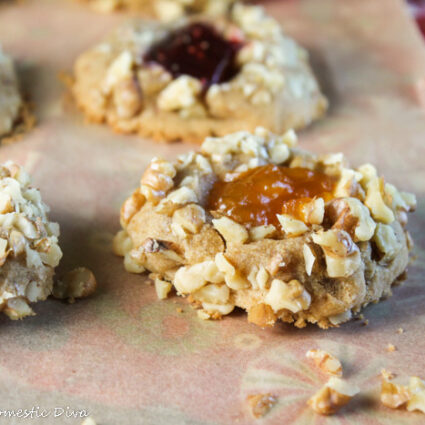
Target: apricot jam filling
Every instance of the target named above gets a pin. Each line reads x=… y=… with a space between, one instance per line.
x=256 y=196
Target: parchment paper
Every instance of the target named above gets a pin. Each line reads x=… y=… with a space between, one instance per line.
x=126 y=357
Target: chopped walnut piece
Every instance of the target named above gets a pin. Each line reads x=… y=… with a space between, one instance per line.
x=131 y=206
x=89 y=421
x=261 y=315
x=191 y=218
x=325 y=361
x=337 y=319
x=314 y=211
x=78 y=283
x=122 y=243
x=375 y=201
x=162 y=288
x=417 y=391
x=309 y=259
x=410 y=397
x=341 y=253
x=17 y=308
x=181 y=93
x=335 y=394
x=231 y=231
x=212 y=294
x=233 y=278
x=351 y=215
x=393 y=395
x=133 y=264
x=157 y=180
x=386 y=241
x=261 y=404
x=291 y=226
x=259 y=233
x=291 y=296
x=391 y=348
x=386 y=374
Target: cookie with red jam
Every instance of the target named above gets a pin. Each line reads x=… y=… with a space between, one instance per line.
x=199 y=77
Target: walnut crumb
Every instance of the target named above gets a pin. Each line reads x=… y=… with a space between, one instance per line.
x=89 y=421
x=410 y=397
x=335 y=394
x=325 y=361
x=386 y=374
x=400 y=331
x=391 y=348
x=77 y=283
x=261 y=403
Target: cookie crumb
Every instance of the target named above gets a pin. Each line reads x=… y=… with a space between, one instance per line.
x=387 y=374
x=410 y=397
x=89 y=421
x=325 y=361
x=400 y=331
x=335 y=394
x=179 y=310
x=261 y=403
x=391 y=348
x=77 y=283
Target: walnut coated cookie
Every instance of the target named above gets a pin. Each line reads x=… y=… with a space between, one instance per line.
x=252 y=222
x=199 y=77
x=163 y=9
x=29 y=249
x=10 y=97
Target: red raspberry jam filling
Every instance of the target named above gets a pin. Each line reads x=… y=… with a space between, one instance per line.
x=197 y=50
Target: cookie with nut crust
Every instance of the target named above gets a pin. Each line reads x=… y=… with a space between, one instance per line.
x=163 y=9
x=251 y=221
x=29 y=250
x=199 y=77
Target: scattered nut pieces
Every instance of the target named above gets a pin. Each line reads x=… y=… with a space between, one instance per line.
x=261 y=404
x=77 y=283
x=410 y=397
x=325 y=361
x=335 y=394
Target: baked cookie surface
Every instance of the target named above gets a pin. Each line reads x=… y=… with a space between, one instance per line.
x=252 y=222
x=199 y=77
x=10 y=97
x=163 y=9
x=29 y=249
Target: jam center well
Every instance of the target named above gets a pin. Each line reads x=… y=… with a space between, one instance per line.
x=256 y=196
x=197 y=50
